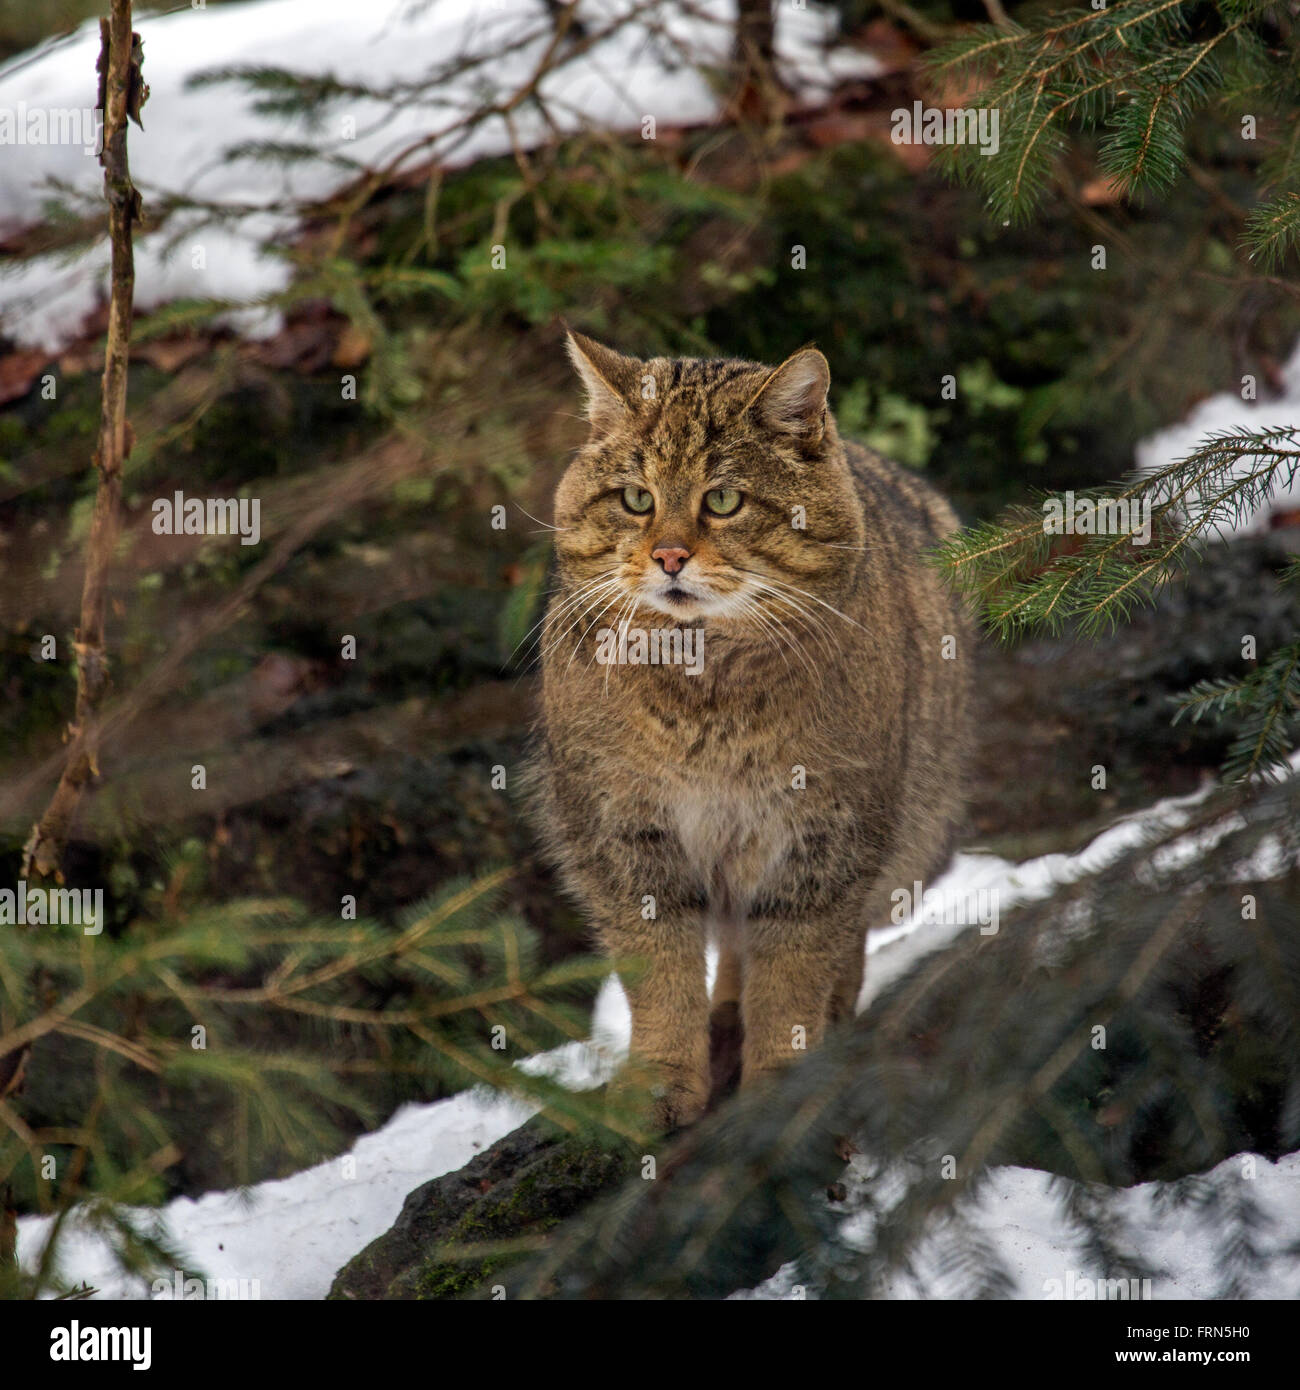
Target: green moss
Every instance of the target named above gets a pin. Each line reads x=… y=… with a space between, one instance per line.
x=529 y=1203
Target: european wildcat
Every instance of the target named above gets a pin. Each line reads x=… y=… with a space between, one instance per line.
x=776 y=793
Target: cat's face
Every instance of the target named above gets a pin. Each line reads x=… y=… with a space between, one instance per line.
x=708 y=490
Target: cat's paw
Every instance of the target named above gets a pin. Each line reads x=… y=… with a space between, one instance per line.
x=675 y=1107
x=658 y=1099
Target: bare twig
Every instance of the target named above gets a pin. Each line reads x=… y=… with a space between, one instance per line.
x=997 y=14
x=122 y=92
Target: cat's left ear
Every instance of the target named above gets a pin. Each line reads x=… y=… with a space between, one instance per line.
x=610 y=379
x=793 y=399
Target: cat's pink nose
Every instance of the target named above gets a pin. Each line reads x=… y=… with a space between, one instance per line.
x=671 y=556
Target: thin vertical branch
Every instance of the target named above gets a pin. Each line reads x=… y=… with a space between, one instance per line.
x=757 y=94
x=122 y=93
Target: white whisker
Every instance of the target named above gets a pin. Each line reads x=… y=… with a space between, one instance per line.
x=620 y=626
x=815 y=622
x=600 y=604
x=546 y=525
x=547 y=614
x=794 y=589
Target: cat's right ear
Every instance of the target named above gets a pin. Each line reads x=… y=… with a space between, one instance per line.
x=610 y=378
x=792 y=400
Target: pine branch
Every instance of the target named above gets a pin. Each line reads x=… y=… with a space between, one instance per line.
x=1130 y=70
x=468 y=972
x=1016 y=572
x=1273 y=229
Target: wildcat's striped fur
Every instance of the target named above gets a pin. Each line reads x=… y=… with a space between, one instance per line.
x=814 y=765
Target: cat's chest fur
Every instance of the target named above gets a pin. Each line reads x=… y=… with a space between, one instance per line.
x=719 y=767
x=731 y=839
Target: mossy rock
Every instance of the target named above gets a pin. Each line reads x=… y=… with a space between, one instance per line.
x=521 y=1187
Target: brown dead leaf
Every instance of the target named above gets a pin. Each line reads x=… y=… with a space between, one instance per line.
x=955 y=90
x=839 y=128
x=83 y=357
x=303 y=347
x=844 y=127
x=894 y=48
x=352 y=348
x=18 y=372
x=170 y=354
x=1100 y=192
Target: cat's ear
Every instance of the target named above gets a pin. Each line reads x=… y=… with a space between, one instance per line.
x=793 y=399
x=610 y=379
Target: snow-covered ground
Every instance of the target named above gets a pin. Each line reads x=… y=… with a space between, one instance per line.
x=651 y=66
x=293 y=1235
x=1226 y=412
x=1021 y=1215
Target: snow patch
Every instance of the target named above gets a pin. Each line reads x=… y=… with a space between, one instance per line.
x=1228 y=411
x=654 y=65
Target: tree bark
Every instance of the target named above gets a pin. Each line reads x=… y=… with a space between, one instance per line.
x=758 y=94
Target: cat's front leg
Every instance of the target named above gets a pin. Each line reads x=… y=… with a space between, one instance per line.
x=802 y=930
x=786 y=997
x=670 y=1011
x=648 y=911
x=790 y=974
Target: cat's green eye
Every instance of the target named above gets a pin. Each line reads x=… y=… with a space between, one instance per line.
x=722 y=501
x=638 y=500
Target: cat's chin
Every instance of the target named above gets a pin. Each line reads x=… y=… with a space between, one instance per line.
x=678 y=601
